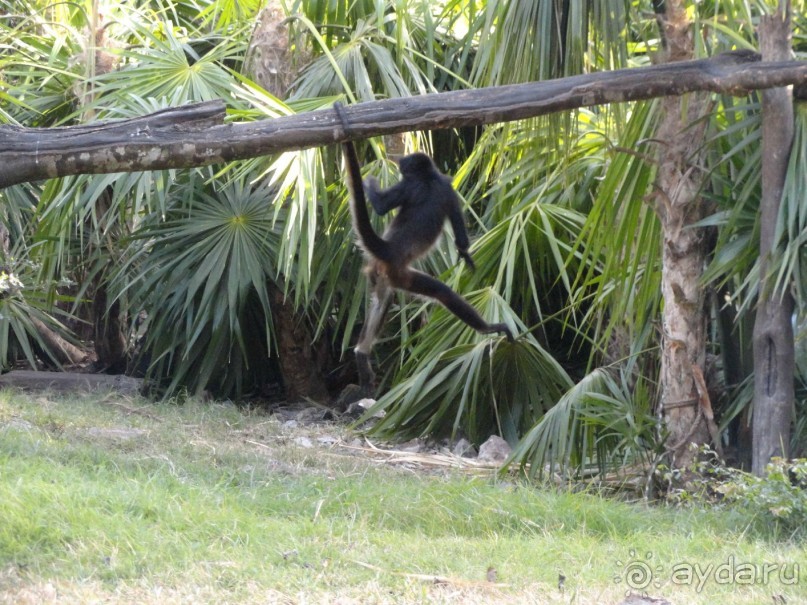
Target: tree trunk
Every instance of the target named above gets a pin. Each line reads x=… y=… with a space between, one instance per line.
x=109 y=320
x=109 y=336
x=773 y=331
x=268 y=63
x=679 y=206
x=298 y=363
x=109 y=329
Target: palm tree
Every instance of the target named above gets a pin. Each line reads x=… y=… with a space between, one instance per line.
x=100 y=231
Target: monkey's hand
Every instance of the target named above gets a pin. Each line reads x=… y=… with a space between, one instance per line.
x=375 y=196
x=466 y=256
x=371 y=185
x=340 y=112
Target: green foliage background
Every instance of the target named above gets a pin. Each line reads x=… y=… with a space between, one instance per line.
x=566 y=246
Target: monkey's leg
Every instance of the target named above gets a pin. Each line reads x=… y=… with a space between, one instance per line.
x=426 y=285
x=380 y=297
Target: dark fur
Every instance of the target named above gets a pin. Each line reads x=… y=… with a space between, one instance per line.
x=425 y=199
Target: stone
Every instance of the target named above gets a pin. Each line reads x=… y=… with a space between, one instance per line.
x=495 y=449
x=464 y=448
x=304 y=442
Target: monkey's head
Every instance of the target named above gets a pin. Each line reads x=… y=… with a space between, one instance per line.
x=416 y=164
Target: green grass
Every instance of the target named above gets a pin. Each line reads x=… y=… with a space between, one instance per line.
x=205 y=503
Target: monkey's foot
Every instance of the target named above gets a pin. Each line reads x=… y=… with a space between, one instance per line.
x=366 y=374
x=502 y=329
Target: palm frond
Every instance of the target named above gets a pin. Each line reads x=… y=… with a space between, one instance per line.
x=476 y=384
x=600 y=420
x=207 y=259
x=789 y=263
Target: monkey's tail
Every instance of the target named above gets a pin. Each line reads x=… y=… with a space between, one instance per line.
x=370 y=240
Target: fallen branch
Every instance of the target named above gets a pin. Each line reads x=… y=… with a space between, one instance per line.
x=70 y=382
x=63 y=351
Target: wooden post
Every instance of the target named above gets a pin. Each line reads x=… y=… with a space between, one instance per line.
x=773 y=330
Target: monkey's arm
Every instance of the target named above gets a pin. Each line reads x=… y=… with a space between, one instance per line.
x=460 y=234
x=385 y=200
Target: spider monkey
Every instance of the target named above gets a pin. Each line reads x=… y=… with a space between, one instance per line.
x=425 y=198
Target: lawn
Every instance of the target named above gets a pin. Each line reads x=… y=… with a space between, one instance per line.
x=114 y=500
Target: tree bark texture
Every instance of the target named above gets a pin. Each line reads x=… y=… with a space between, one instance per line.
x=773 y=331
x=679 y=205
x=109 y=321
x=296 y=355
x=195 y=135
x=109 y=329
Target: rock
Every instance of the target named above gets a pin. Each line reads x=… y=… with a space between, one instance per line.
x=464 y=448
x=365 y=403
x=18 y=424
x=495 y=449
x=357 y=408
x=303 y=442
x=312 y=415
x=414 y=446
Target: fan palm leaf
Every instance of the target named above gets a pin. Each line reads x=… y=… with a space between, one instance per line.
x=205 y=260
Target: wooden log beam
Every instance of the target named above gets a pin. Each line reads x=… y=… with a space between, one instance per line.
x=196 y=135
x=70 y=382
